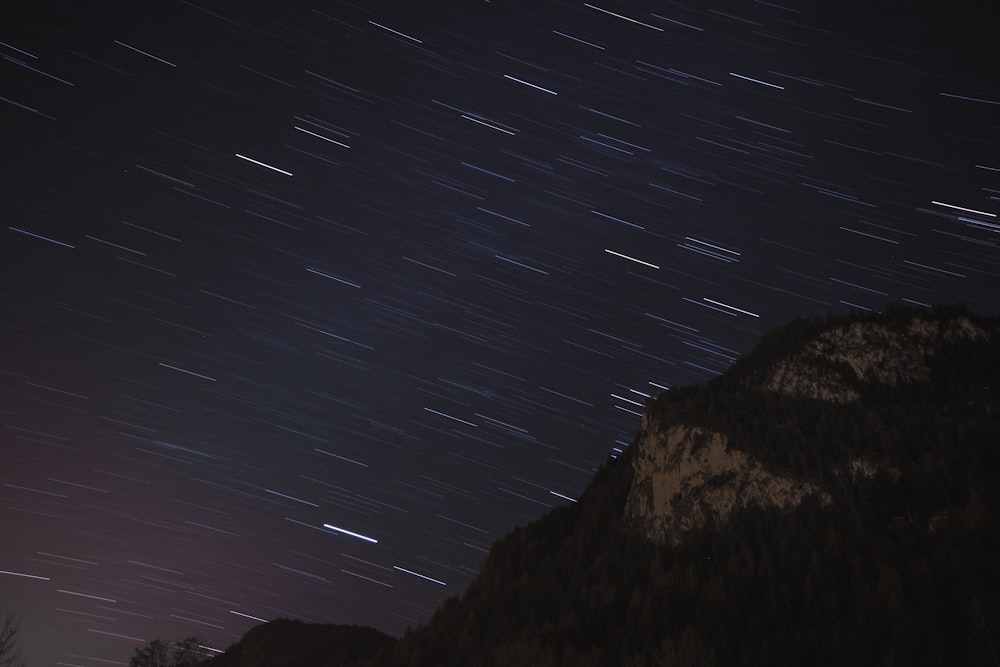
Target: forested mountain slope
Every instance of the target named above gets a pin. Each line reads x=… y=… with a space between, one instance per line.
x=831 y=499
x=833 y=502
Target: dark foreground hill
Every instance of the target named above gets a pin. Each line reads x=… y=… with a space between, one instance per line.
x=830 y=500
x=287 y=643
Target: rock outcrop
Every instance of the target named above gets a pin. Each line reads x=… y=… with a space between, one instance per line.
x=829 y=367
x=685 y=475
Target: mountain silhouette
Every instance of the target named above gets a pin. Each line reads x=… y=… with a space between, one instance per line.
x=831 y=499
x=289 y=643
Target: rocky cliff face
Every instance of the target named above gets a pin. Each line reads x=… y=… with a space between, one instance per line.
x=685 y=473
x=829 y=367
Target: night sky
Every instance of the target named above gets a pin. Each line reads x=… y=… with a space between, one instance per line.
x=303 y=308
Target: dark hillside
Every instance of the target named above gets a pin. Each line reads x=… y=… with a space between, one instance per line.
x=892 y=421
x=287 y=643
x=899 y=567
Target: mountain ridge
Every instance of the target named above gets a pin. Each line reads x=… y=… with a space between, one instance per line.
x=685 y=471
x=756 y=520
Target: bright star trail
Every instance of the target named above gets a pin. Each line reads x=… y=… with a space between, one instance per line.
x=304 y=307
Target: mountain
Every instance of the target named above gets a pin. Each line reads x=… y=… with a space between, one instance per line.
x=288 y=643
x=831 y=499
x=817 y=400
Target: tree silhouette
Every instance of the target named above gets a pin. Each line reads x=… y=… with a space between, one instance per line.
x=10 y=643
x=160 y=653
x=188 y=652
x=154 y=653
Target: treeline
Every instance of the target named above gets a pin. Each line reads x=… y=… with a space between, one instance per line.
x=821 y=585
x=901 y=568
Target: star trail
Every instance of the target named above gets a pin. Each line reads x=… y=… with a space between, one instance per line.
x=304 y=307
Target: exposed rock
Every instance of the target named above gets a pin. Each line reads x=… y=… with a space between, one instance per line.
x=862 y=467
x=829 y=367
x=799 y=378
x=685 y=475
